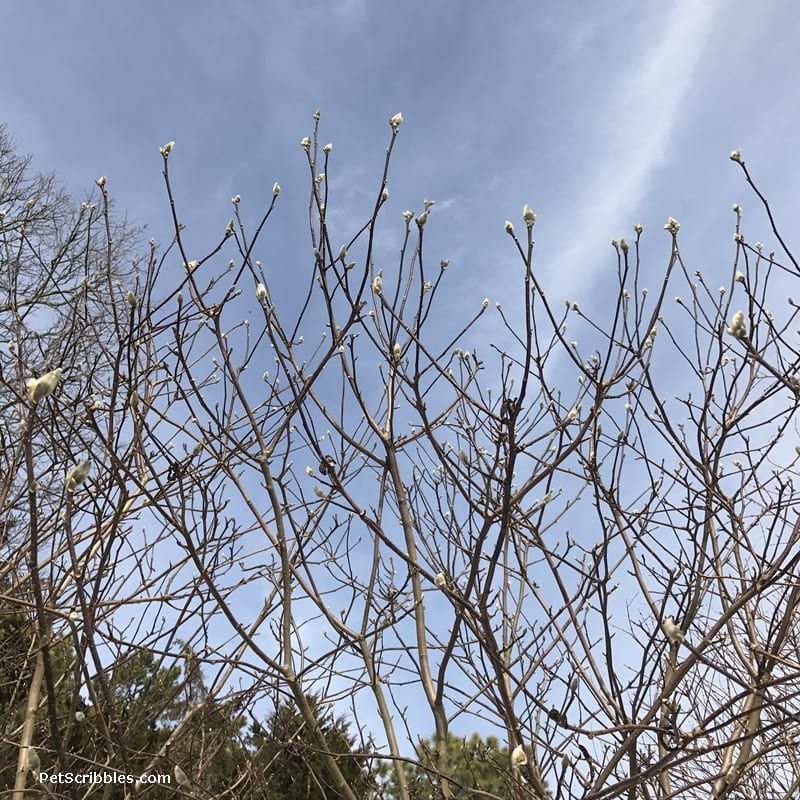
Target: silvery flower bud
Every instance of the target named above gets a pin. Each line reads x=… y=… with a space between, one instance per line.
x=39 y=388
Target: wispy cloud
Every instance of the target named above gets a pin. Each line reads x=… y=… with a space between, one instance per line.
x=634 y=137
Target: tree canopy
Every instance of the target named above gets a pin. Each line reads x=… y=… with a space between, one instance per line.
x=263 y=540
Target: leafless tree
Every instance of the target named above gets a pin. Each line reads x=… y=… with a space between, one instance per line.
x=579 y=531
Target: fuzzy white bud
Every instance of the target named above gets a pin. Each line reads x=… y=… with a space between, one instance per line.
x=261 y=291
x=673 y=632
x=638 y=227
x=509 y=228
x=101 y=181
x=305 y=143
x=77 y=475
x=439 y=579
x=738 y=326
x=485 y=302
x=39 y=388
x=166 y=149
x=672 y=225
x=181 y=778
x=422 y=219
x=736 y=155
x=377 y=283
x=396 y=121
x=528 y=215
x=132 y=301
x=518 y=756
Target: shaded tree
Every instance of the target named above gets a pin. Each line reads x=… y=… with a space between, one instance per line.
x=287 y=757
x=472 y=764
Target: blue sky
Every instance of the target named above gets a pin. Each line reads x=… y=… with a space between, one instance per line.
x=597 y=115
x=598 y=120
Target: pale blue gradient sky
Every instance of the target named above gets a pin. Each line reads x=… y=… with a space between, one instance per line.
x=598 y=120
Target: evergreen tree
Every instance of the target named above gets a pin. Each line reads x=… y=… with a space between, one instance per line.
x=473 y=764
x=289 y=765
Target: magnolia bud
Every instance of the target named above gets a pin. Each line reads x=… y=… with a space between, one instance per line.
x=518 y=756
x=509 y=228
x=738 y=327
x=261 y=291
x=440 y=580
x=396 y=121
x=77 y=475
x=132 y=299
x=305 y=143
x=276 y=189
x=377 y=283
x=674 y=633
x=528 y=215
x=39 y=388
x=181 y=778
x=101 y=181
x=166 y=149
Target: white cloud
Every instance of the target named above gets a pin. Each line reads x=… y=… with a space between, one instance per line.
x=635 y=135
